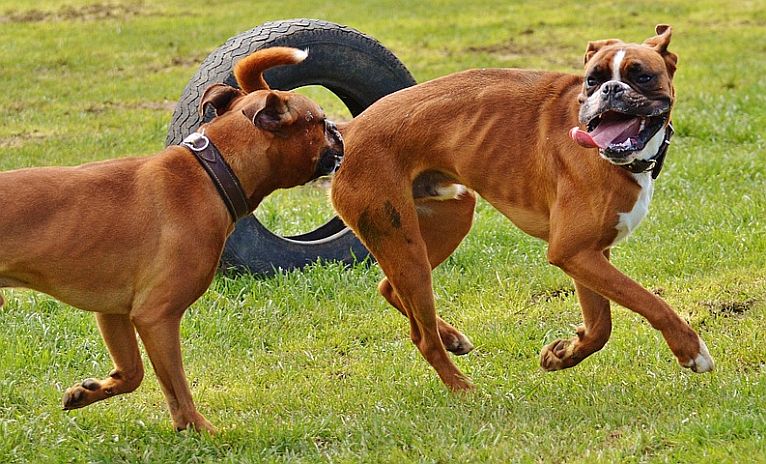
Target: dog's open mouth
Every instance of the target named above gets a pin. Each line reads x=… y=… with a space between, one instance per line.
x=618 y=134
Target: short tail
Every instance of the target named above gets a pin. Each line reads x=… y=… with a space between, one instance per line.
x=249 y=70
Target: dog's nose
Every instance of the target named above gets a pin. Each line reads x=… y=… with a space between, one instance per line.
x=612 y=88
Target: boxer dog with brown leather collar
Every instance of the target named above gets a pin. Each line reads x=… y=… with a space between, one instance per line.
x=415 y=160
x=138 y=240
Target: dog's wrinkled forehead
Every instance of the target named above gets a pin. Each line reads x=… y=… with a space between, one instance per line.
x=612 y=59
x=307 y=109
x=303 y=108
x=617 y=61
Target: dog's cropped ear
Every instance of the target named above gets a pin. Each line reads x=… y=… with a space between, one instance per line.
x=594 y=47
x=217 y=99
x=660 y=43
x=271 y=113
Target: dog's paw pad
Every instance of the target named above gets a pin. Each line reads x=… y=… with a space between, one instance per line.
x=73 y=398
x=91 y=384
x=558 y=355
x=81 y=394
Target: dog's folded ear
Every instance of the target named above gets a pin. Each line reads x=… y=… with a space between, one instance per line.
x=270 y=113
x=594 y=47
x=660 y=43
x=217 y=98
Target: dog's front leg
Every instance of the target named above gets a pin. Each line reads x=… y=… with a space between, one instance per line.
x=591 y=337
x=160 y=331
x=120 y=338
x=591 y=268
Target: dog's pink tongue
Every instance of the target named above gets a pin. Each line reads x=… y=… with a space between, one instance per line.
x=582 y=137
x=607 y=133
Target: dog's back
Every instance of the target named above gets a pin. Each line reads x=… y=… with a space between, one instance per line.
x=87 y=222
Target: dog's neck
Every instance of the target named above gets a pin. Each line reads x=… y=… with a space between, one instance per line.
x=225 y=180
x=251 y=169
x=250 y=181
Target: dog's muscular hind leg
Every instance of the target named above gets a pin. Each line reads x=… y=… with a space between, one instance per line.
x=443 y=225
x=454 y=341
x=393 y=237
x=410 y=276
x=120 y=338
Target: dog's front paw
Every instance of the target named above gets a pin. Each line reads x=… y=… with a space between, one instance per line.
x=702 y=362
x=558 y=355
x=83 y=394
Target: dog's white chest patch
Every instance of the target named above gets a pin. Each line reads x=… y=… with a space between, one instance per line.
x=630 y=220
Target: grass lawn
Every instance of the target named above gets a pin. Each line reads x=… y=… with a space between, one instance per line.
x=313 y=366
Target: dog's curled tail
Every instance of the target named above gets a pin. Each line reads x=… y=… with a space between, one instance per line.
x=249 y=71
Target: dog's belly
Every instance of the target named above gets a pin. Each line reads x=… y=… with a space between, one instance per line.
x=6 y=282
x=531 y=222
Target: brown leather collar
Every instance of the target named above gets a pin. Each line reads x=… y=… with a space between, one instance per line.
x=224 y=179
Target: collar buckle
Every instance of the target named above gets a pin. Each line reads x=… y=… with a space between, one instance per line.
x=220 y=173
x=196 y=142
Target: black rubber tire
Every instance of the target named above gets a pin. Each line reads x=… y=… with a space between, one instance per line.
x=352 y=65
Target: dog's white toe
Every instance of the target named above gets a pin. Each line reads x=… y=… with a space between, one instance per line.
x=703 y=362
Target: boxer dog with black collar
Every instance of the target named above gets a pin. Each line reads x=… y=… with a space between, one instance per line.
x=415 y=160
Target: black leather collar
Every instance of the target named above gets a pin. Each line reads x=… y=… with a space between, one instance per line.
x=224 y=179
x=654 y=163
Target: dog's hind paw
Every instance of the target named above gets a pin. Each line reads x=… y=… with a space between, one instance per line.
x=197 y=423
x=456 y=343
x=460 y=384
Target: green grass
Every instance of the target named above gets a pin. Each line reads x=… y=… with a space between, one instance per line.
x=313 y=366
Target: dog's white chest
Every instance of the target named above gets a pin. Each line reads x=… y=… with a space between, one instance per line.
x=630 y=220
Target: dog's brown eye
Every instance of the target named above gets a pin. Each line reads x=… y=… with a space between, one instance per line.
x=644 y=78
x=592 y=81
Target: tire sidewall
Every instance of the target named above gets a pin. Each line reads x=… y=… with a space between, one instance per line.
x=352 y=65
